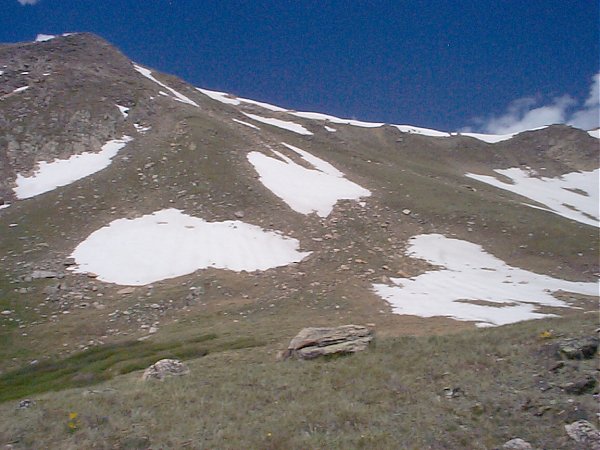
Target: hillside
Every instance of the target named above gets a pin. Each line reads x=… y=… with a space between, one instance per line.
x=143 y=217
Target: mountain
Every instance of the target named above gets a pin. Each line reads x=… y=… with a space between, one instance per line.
x=138 y=208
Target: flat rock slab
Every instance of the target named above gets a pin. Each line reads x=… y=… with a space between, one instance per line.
x=165 y=368
x=314 y=342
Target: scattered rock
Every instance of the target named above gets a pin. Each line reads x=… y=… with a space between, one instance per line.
x=580 y=387
x=583 y=432
x=69 y=262
x=51 y=290
x=517 y=444
x=451 y=392
x=313 y=342
x=126 y=291
x=37 y=274
x=26 y=403
x=406 y=211
x=6 y=312
x=165 y=368
x=584 y=348
x=239 y=214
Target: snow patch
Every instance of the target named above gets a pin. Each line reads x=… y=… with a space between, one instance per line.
x=284 y=124
x=169 y=244
x=246 y=123
x=222 y=97
x=124 y=110
x=593 y=133
x=422 y=131
x=44 y=37
x=494 y=138
x=573 y=195
x=179 y=97
x=263 y=105
x=61 y=172
x=331 y=130
x=305 y=190
x=21 y=89
x=471 y=274
x=333 y=119
x=141 y=129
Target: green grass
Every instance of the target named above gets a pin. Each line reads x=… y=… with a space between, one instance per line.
x=390 y=396
x=104 y=362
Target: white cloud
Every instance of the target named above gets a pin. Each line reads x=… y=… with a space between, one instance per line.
x=526 y=113
x=587 y=118
x=28 y=2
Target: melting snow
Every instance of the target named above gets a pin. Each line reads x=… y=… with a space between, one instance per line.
x=179 y=97
x=290 y=126
x=423 y=131
x=573 y=195
x=333 y=119
x=44 y=37
x=61 y=172
x=305 y=190
x=222 y=97
x=494 y=138
x=263 y=105
x=471 y=274
x=141 y=129
x=489 y=138
x=228 y=99
x=169 y=244
x=124 y=110
x=246 y=123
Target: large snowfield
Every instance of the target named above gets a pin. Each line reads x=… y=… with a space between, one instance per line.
x=169 y=244
x=573 y=195
x=305 y=190
x=469 y=274
x=61 y=172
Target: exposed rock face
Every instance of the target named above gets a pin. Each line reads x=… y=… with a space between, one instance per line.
x=584 y=433
x=584 y=348
x=165 y=368
x=313 y=342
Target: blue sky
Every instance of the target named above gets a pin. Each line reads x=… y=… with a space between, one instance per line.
x=489 y=65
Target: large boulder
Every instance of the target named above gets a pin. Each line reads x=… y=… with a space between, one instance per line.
x=165 y=368
x=517 y=444
x=313 y=342
x=585 y=434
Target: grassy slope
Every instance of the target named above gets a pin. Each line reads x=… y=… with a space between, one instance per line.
x=391 y=396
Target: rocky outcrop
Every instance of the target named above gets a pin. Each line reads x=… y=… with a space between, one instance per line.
x=585 y=434
x=314 y=342
x=584 y=348
x=165 y=368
